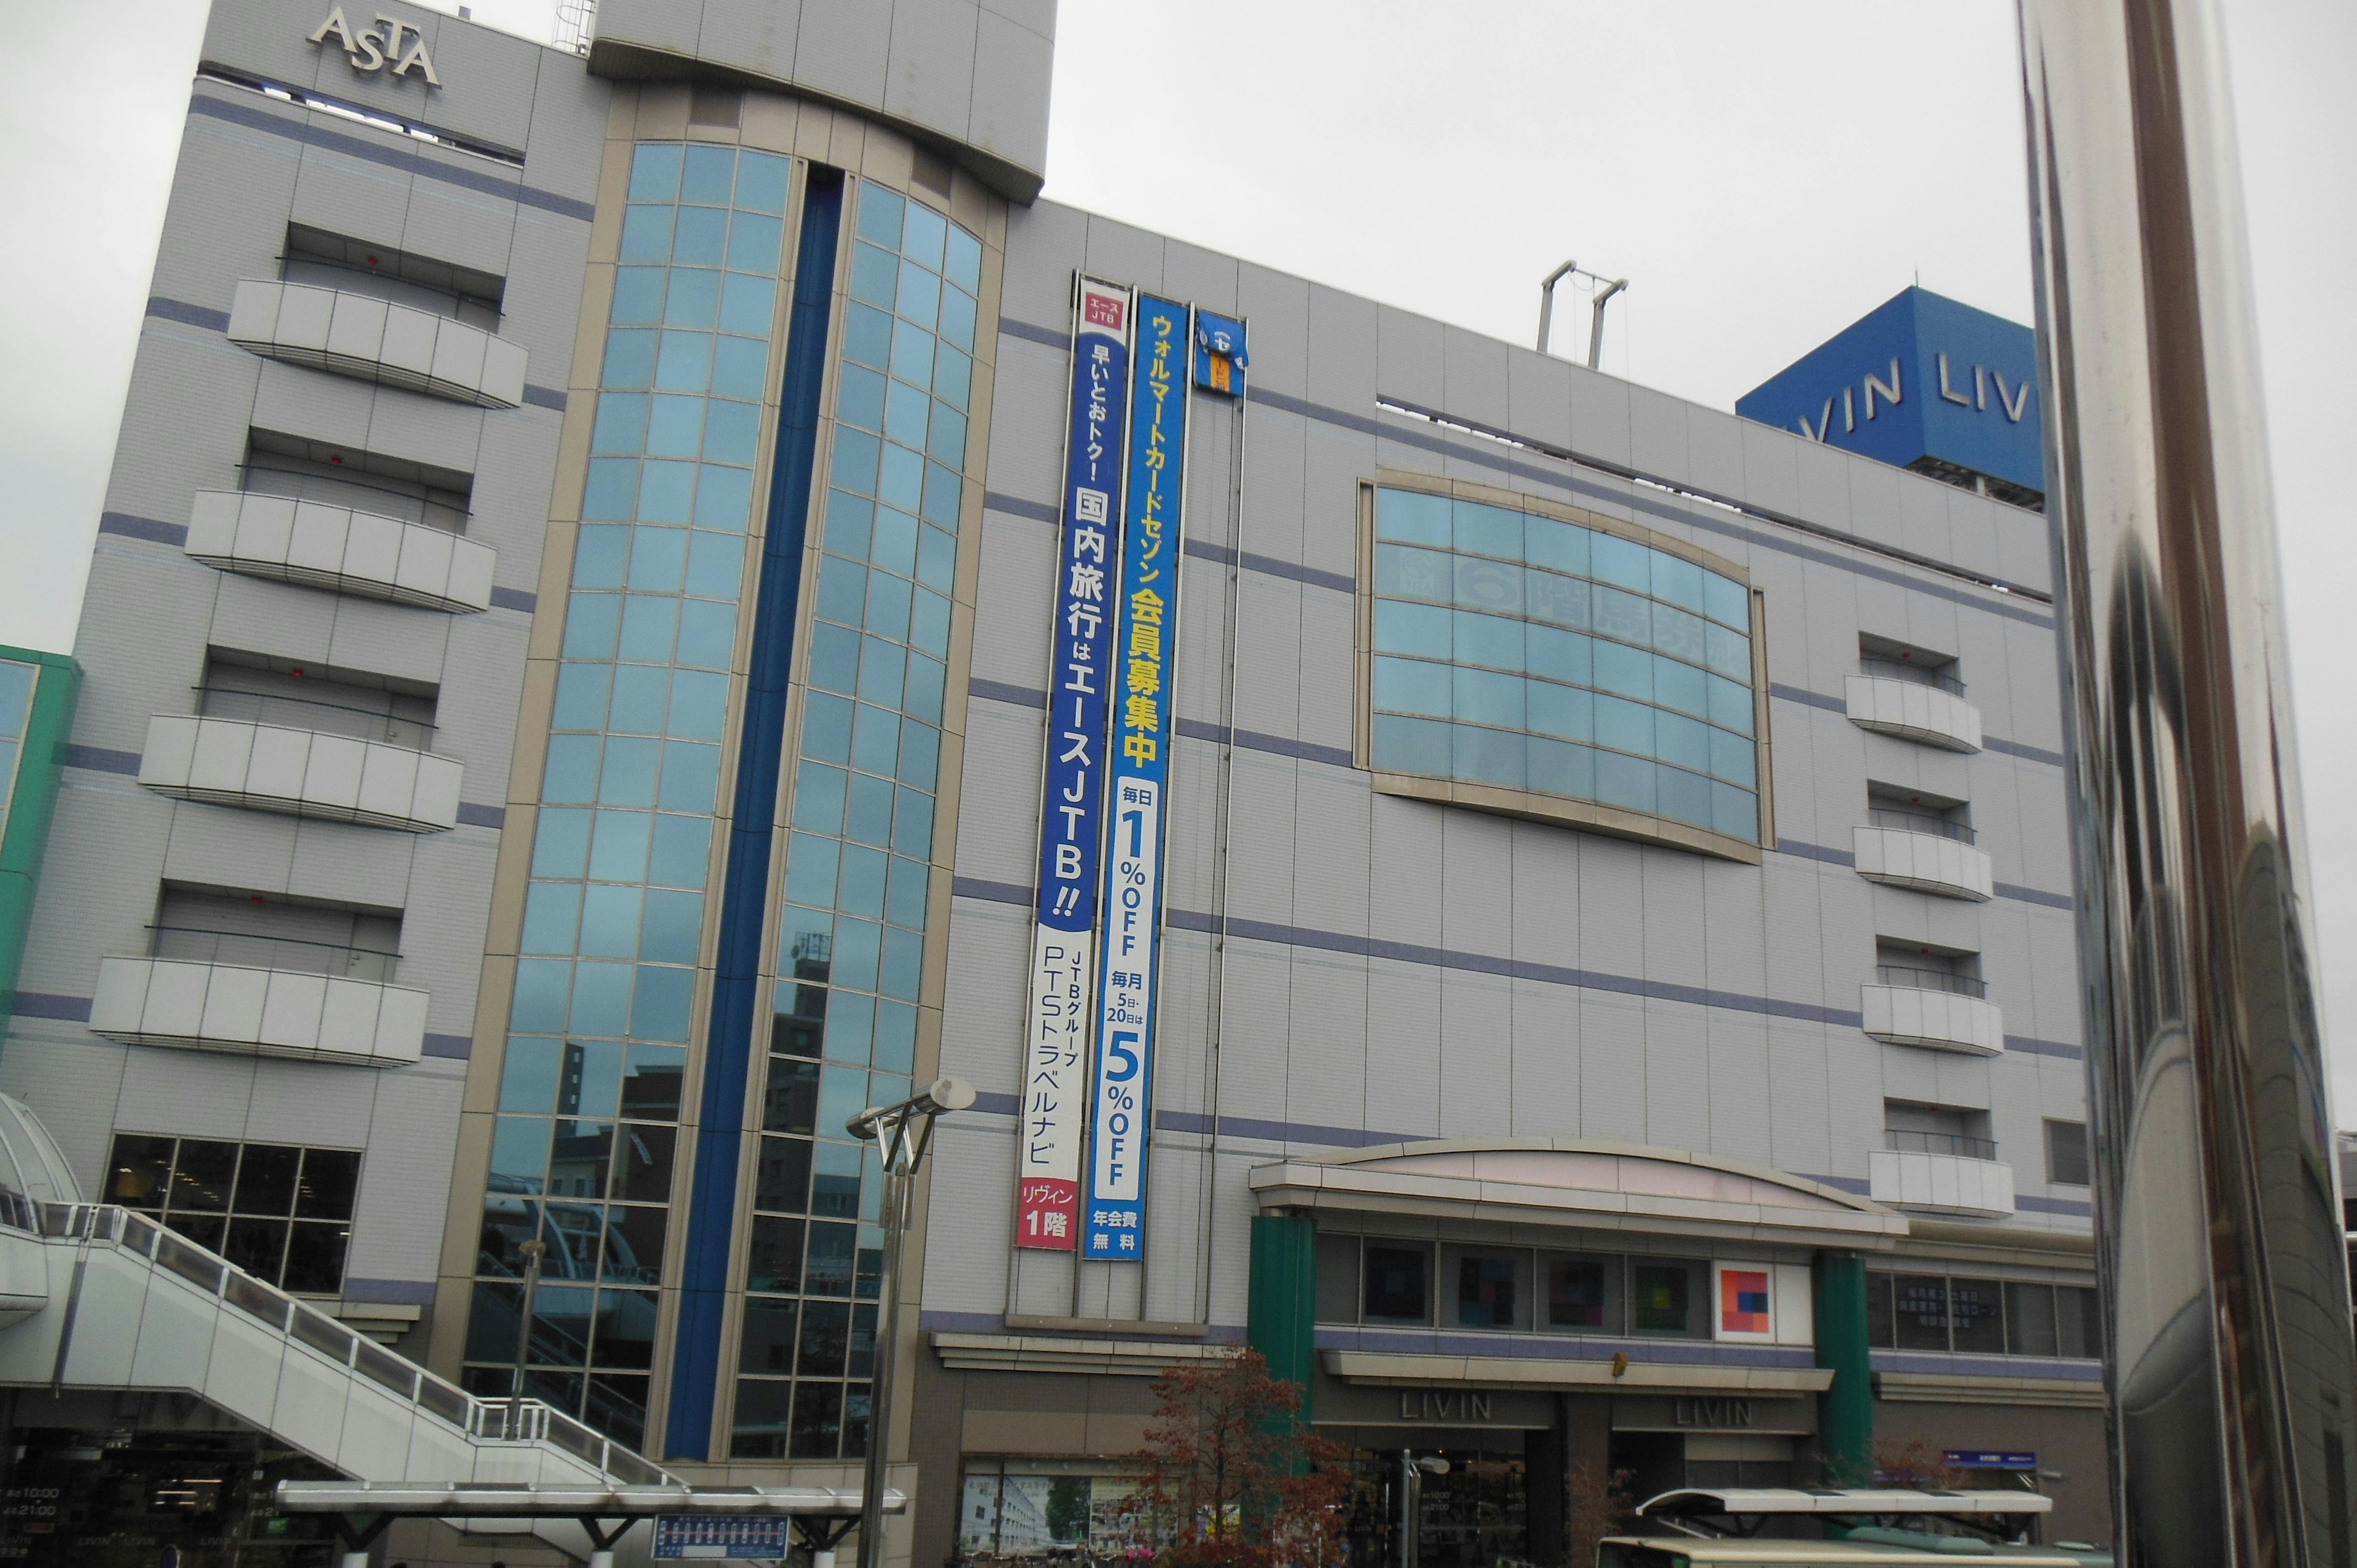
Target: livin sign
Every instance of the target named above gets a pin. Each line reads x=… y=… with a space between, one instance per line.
x=371 y=49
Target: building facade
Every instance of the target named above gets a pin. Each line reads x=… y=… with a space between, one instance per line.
x=579 y=647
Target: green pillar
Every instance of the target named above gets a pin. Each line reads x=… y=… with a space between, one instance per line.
x=1845 y=1411
x=36 y=707
x=1283 y=1306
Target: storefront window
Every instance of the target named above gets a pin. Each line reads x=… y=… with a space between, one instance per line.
x=1581 y=1295
x=1982 y=1316
x=1396 y=1284
x=1666 y=1298
x=1489 y=1288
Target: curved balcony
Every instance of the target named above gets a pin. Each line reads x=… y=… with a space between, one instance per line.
x=208 y=1005
x=1933 y=1009
x=377 y=340
x=302 y=772
x=343 y=550
x=1931 y=1180
x=1910 y=710
x=1922 y=854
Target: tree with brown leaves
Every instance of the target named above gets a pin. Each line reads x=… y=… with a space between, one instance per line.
x=1231 y=1478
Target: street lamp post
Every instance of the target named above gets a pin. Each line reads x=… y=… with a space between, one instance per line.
x=902 y=1133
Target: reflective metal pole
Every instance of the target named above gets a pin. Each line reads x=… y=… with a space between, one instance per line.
x=2229 y=1355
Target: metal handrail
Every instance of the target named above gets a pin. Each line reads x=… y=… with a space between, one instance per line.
x=1908 y=1141
x=1910 y=822
x=485 y=1419
x=1915 y=979
x=1899 y=670
x=209 y=698
x=265 y=950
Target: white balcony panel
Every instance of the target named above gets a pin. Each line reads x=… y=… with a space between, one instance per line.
x=244 y=1011
x=274 y=767
x=343 y=550
x=395 y=345
x=1940 y=1183
x=1937 y=1020
x=1912 y=711
x=1928 y=863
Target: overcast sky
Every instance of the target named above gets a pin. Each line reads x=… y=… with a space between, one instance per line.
x=1763 y=173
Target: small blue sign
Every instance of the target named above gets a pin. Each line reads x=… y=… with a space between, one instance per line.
x=740 y=1537
x=1988 y=1460
x=1220 y=354
x=1924 y=382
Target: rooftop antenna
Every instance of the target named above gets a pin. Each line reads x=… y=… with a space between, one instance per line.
x=1605 y=289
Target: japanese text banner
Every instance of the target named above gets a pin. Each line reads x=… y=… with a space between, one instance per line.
x=1055 y=1091
x=1144 y=645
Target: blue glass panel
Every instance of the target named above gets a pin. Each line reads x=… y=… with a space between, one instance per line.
x=639 y=690
x=710 y=176
x=857 y=946
x=699 y=238
x=707 y=634
x=904 y=414
x=691 y=776
x=646 y=235
x=869 y=816
x=801 y=933
x=850 y=521
x=1488 y=640
x=685 y=363
x=541 y=987
x=937 y=559
x=943 y=490
x=1488 y=586
x=519 y=1153
x=723 y=496
x=859 y=398
x=572 y=774
x=672 y=927
x=853 y=467
x=887 y=606
x=850 y=1038
x=1624 y=727
x=664 y=1000
x=622 y=426
x=715 y=566
x=528 y=1076
x=912 y=355
x=619 y=851
x=628 y=776
x=957 y=317
x=811 y=865
x=1563 y=712
x=1729 y=653
x=1486 y=529
x=1681 y=686
x=1727 y=601
x=902 y=482
x=1735 y=812
x=883 y=666
x=650 y=623
x=591 y=621
x=875 y=741
x=730 y=430
x=1730 y=706
x=1683 y=741
x=912 y=823
x=699 y=704
x=926 y=232
x=630 y=357
x=866 y=336
x=963 y=265
x=1677 y=581
x=600 y=555
x=1677 y=632
x=1682 y=797
x=928 y=628
x=860 y=890
x=693 y=299
x=610 y=921
x=602 y=999
x=1553 y=768
x=560 y=845
x=834 y=657
x=1623 y=615
x=600 y=1083
x=1734 y=758
x=1559 y=655
x=740 y=368
x=654 y=172
x=920 y=753
x=1410 y=746
x=952 y=375
x=761 y=181
x=682 y=850
x=1560 y=600
x=842 y=590
x=1407 y=573
x=818 y=798
x=664 y=489
x=1622 y=563
x=552 y=917
x=896 y=1036
x=1562 y=546
x=1483 y=697
x=1412 y=517
x=925 y=678
x=1487 y=756
x=879 y=216
x=1624 y=781
x=755 y=243
x=1419 y=629
x=874 y=276
x=749 y=305
x=581 y=696
x=826 y=727
x=659 y=559
x=895 y=548
x=1626 y=671
x=920 y=298
x=902 y=972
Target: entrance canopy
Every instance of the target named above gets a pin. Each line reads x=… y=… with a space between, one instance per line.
x=1579 y=1184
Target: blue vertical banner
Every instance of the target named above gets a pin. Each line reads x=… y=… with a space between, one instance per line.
x=1145 y=639
x=1072 y=815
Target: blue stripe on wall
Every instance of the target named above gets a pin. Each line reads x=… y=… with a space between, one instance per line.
x=697 y=1357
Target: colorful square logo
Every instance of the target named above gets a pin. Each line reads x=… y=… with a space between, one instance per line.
x=1743 y=1306
x=1100 y=310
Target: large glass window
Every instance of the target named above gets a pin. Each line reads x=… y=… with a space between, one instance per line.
x=1394 y=1281
x=851 y=938
x=282 y=1213
x=1527 y=652
x=1982 y=1316
x=614 y=915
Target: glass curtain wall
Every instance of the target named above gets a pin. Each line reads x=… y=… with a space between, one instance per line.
x=1530 y=653
x=614 y=917
x=851 y=939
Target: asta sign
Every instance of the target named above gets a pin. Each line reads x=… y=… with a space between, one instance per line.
x=391 y=42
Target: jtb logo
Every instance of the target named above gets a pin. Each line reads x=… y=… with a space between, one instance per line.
x=369 y=49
